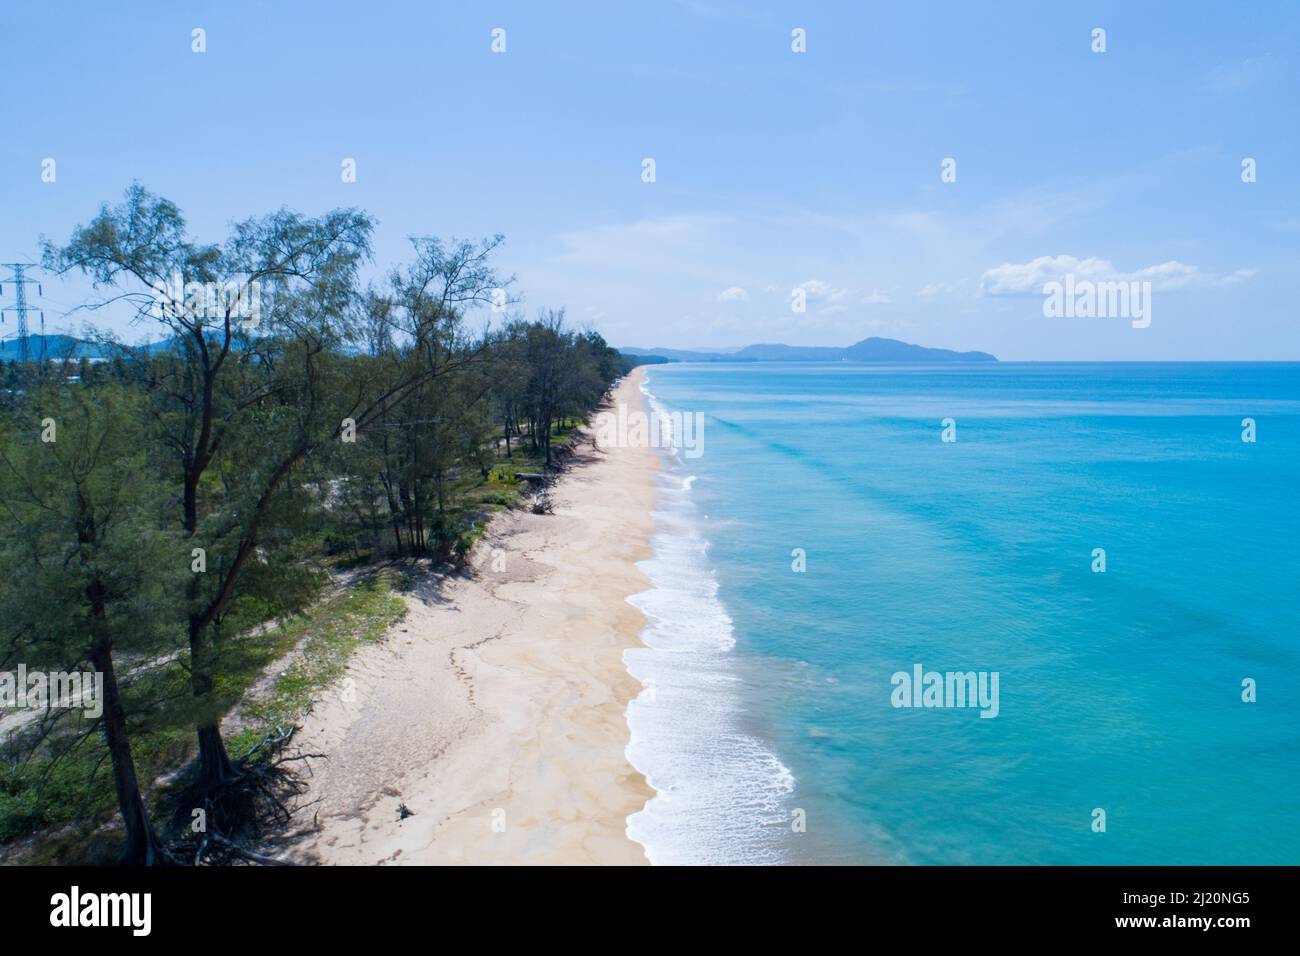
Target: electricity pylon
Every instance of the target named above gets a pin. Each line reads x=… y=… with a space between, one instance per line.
x=21 y=283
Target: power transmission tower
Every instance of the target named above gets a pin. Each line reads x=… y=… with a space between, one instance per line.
x=20 y=283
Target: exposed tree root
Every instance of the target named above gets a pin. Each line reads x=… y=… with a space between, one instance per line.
x=220 y=826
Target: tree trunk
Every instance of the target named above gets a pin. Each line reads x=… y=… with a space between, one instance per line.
x=215 y=768
x=142 y=846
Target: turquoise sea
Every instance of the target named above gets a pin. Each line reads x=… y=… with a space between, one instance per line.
x=768 y=691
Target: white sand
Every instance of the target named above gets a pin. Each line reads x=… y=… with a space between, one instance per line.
x=495 y=710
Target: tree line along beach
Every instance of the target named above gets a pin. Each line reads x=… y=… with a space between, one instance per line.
x=322 y=554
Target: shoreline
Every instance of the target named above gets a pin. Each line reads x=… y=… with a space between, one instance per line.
x=722 y=792
x=495 y=711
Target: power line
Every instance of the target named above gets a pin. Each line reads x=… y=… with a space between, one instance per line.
x=20 y=283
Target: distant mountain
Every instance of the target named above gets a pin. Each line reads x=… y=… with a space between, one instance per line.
x=868 y=350
x=644 y=358
x=51 y=346
x=678 y=355
x=71 y=347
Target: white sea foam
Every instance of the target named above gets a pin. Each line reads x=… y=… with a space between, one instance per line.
x=721 y=794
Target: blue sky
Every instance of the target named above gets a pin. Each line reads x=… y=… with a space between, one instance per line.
x=773 y=169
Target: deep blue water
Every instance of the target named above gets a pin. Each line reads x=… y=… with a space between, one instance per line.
x=1119 y=690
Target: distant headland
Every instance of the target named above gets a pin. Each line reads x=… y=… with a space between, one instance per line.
x=868 y=350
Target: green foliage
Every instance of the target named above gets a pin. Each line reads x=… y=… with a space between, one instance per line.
x=81 y=510
x=344 y=427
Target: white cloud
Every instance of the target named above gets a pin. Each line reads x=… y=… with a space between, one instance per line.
x=821 y=291
x=1028 y=278
x=734 y=294
x=876 y=297
x=675 y=247
x=814 y=288
x=1231 y=78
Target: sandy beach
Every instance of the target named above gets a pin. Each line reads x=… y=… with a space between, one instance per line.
x=495 y=710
